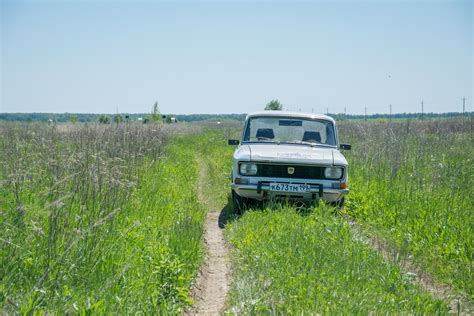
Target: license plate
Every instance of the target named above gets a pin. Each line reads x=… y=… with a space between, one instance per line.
x=287 y=187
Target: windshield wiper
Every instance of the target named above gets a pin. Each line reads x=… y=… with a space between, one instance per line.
x=265 y=139
x=302 y=142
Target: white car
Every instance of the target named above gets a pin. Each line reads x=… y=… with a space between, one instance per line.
x=289 y=155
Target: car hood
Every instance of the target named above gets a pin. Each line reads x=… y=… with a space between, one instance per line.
x=289 y=153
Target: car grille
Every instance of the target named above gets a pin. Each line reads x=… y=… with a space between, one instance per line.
x=300 y=172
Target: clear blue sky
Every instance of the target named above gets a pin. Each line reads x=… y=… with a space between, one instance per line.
x=233 y=57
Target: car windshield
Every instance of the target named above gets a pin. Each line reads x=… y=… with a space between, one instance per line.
x=290 y=130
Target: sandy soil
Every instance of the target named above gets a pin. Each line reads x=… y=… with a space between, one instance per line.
x=211 y=288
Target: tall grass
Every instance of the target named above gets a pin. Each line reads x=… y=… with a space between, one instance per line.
x=94 y=219
x=217 y=155
x=106 y=219
x=412 y=182
x=286 y=262
x=291 y=263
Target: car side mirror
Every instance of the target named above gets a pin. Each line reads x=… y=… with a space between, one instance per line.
x=234 y=142
x=345 y=146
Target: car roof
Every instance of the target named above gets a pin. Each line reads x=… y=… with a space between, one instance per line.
x=291 y=114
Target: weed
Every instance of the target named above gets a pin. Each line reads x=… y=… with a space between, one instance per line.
x=412 y=183
x=94 y=219
x=406 y=183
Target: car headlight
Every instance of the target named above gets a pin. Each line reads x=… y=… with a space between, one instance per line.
x=248 y=169
x=333 y=172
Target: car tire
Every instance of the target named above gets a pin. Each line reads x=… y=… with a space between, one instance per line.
x=339 y=204
x=239 y=203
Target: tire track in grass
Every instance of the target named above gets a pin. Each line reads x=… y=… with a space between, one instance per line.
x=213 y=282
x=458 y=303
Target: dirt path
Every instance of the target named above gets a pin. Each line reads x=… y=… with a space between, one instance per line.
x=210 y=291
x=212 y=285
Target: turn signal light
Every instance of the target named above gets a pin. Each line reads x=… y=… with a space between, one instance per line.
x=343 y=186
x=237 y=181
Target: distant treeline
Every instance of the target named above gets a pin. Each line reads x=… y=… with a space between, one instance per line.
x=89 y=117
x=342 y=116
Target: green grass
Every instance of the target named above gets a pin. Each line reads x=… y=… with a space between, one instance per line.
x=107 y=220
x=98 y=219
x=217 y=155
x=286 y=262
x=413 y=185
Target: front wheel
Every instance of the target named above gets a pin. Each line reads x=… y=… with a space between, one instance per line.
x=239 y=203
x=339 y=204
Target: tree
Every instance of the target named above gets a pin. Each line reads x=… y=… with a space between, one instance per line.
x=73 y=118
x=104 y=119
x=118 y=118
x=274 y=105
x=155 y=114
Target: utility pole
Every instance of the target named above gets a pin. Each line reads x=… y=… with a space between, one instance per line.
x=312 y=110
x=327 y=111
x=422 y=108
x=463 y=106
x=365 y=114
x=345 y=113
x=390 y=112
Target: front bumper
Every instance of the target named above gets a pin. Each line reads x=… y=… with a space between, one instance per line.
x=261 y=191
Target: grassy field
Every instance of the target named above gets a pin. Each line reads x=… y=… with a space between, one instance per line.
x=288 y=261
x=413 y=185
x=97 y=219
x=106 y=219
